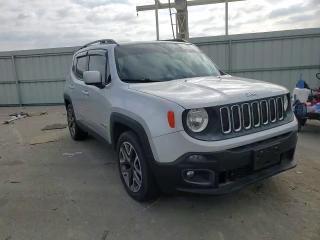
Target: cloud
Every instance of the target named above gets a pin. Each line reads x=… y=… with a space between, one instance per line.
x=300 y=18
x=22 y=16
x=44 y=23
x=304 y=14
x=97 y=3
x=63 y=12
x=281 y=12
x=315 y=3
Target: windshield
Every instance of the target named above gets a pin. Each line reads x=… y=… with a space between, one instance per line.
x=153 y=62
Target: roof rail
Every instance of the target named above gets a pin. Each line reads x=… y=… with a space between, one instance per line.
x=176 y=40
x=101 y=41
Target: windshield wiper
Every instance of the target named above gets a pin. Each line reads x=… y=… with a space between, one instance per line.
x=142 y=80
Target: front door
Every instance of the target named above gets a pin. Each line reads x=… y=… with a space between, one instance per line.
x=98 y=100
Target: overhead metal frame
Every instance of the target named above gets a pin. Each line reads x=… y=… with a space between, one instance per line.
x=181 y=6
x=189 y=3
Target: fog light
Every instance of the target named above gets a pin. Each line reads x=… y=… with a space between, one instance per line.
x=200 y=177
x=190 y=174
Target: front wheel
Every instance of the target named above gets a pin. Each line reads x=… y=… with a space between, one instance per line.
x=133 y=168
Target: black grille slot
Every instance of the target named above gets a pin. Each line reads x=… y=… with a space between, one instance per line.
x=236 y=117
x=264 y=112
x=273 y=110
x=255 y=114
x=280 y=108
x=225 y=119
x=246 y=115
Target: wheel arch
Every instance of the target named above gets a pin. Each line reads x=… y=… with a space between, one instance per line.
x=120 y=123
x=67 y=99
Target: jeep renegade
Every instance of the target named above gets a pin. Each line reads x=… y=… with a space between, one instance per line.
x=176 y=122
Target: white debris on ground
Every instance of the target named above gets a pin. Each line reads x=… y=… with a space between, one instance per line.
x=71 y=154
x=20 y=115
x=15 y=117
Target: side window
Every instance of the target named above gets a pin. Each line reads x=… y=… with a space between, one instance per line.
x=98 y=63
x=82 y=66
x=74 y=63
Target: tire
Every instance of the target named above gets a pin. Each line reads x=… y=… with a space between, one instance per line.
x=134 y=170
x=76 y=132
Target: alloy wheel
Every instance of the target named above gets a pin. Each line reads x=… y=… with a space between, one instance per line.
x=71 y=121
x=130 y=166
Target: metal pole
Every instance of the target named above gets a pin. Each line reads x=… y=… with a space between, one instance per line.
x=15 y=75
x=157 y=19
x=187 y=25
x=230 y=57
x=227 y=17
x=182 y=17
x=170 y=12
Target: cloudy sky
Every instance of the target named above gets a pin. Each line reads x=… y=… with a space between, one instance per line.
x=28 y=24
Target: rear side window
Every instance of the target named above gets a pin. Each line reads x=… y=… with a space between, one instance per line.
x=74 y=63
x=98 y=63
x=82 y=66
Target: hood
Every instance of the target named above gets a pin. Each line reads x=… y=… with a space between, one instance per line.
x=210 y=91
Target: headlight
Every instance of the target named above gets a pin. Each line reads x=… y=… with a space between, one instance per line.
x=285 y=103
x=197 y=119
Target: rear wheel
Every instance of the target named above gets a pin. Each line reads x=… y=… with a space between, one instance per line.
x=133 y=168
x=75 y=131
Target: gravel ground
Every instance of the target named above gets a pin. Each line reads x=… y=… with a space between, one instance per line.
x=54 y=188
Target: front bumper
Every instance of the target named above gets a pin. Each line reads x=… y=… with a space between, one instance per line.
x=228 y=170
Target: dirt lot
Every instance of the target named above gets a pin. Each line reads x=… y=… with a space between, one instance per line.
x=71 y=190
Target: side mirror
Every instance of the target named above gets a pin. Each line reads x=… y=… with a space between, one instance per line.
x=92 y=78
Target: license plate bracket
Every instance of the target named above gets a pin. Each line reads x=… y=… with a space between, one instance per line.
x=266 y=157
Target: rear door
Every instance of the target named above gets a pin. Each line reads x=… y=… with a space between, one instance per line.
x=80 y=91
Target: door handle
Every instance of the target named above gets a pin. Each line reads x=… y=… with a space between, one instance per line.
x=85 y=92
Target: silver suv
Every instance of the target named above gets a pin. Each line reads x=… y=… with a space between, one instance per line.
x=176 y=121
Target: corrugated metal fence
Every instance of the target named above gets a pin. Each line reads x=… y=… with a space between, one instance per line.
x=35 y=77
x=277 y=57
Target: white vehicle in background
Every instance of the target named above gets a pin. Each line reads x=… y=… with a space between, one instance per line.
x=176 y=122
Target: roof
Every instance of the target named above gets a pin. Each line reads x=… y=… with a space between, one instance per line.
x=107 y=43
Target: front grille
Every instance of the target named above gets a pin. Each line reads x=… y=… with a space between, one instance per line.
x=248 y=115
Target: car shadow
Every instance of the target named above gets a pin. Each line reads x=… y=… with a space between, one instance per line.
x=271 y=189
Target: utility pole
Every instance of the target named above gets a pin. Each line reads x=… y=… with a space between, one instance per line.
x=182 y=19
x=181 y=6
x=227 y=17
x=157 y=18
